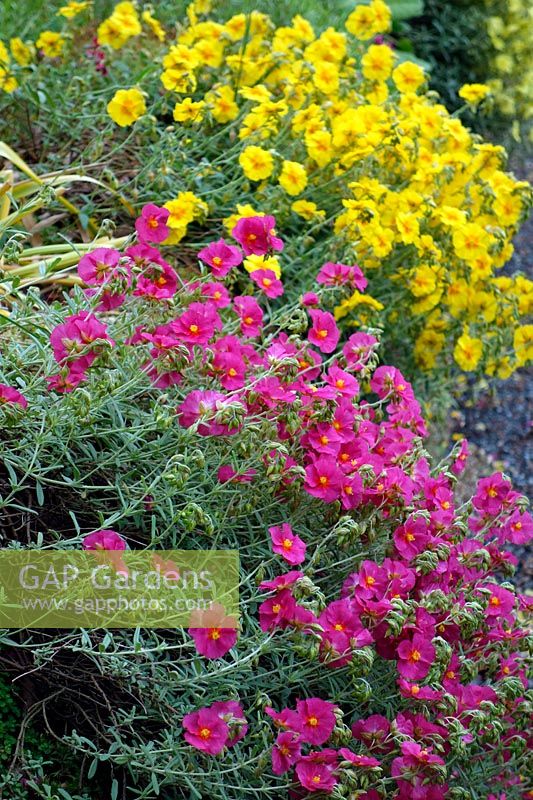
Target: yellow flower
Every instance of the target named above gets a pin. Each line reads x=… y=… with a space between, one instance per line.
x=8 y=83
x=474 y=93
x=470 y=241
x=307 y=210
x=427 y=347
x=257 y=164
x=4 y=55
x=357 y=299
x=423 y=281
x=50 y=43
x=467 y=352
x=408 y=229
x=209 y=52
x=293 y=177
x=326 y=77
x=117 y=29
x=319 y=147
x=523 y=344
x=189 y=110
x=154 y=25
x=183 y=209
x=21 y=51
x=73 y=8
x=408 y=77
x=242 y=211
x=253 y=263
x=361 y=22
x=377 y=62
x=223 y=105
x=236 y=27
x=126 y=106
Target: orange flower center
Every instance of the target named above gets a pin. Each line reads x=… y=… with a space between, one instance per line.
x=205 y=733
x=287 y=544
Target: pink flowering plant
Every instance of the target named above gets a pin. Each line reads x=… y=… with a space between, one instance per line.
x=381 y=650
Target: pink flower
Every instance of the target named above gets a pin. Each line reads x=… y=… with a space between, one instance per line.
x=358 y=349
x=318 y=719
x=282 y=581
x=415 y=692
x=256 y=235
x=73 y=339
x=343 y=382
x=157 y=279
x=373 y=731
x=358 y=760
x=99 y=266
x=285 y=752
x=250 y=313
x=200 y=405
x=411 y=538
x=339 y=274
x=104 y=540
x=12 y=396
x=213 y=632
x=491 y=493
x=221 y=257
x=217 y=294
x=324 y=332
x=205 y=730
x=518 y=528
x=151 y=225
x=460 y=461
x=310 y=299
x=316 y=777
x=227 y=473
x=286 y=544
x=267 y=281
x=198 y=324
x=324 y=479
x=323 y=438
x=415 y=657
x=232 y=714
x=414 y=758
x=501 y=602
x=388 y=382
x=68 y=379
x=277 y=611
x=285 y=720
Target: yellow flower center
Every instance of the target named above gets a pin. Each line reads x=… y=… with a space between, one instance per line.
x=287 y=544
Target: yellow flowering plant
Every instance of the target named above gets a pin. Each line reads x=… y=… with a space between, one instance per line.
x=337 y=135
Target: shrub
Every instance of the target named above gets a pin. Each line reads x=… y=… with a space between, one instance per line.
x=184 y=405
x=360 y=162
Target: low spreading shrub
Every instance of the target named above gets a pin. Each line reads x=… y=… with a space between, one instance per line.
x=184 y=405
x=335 y=132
